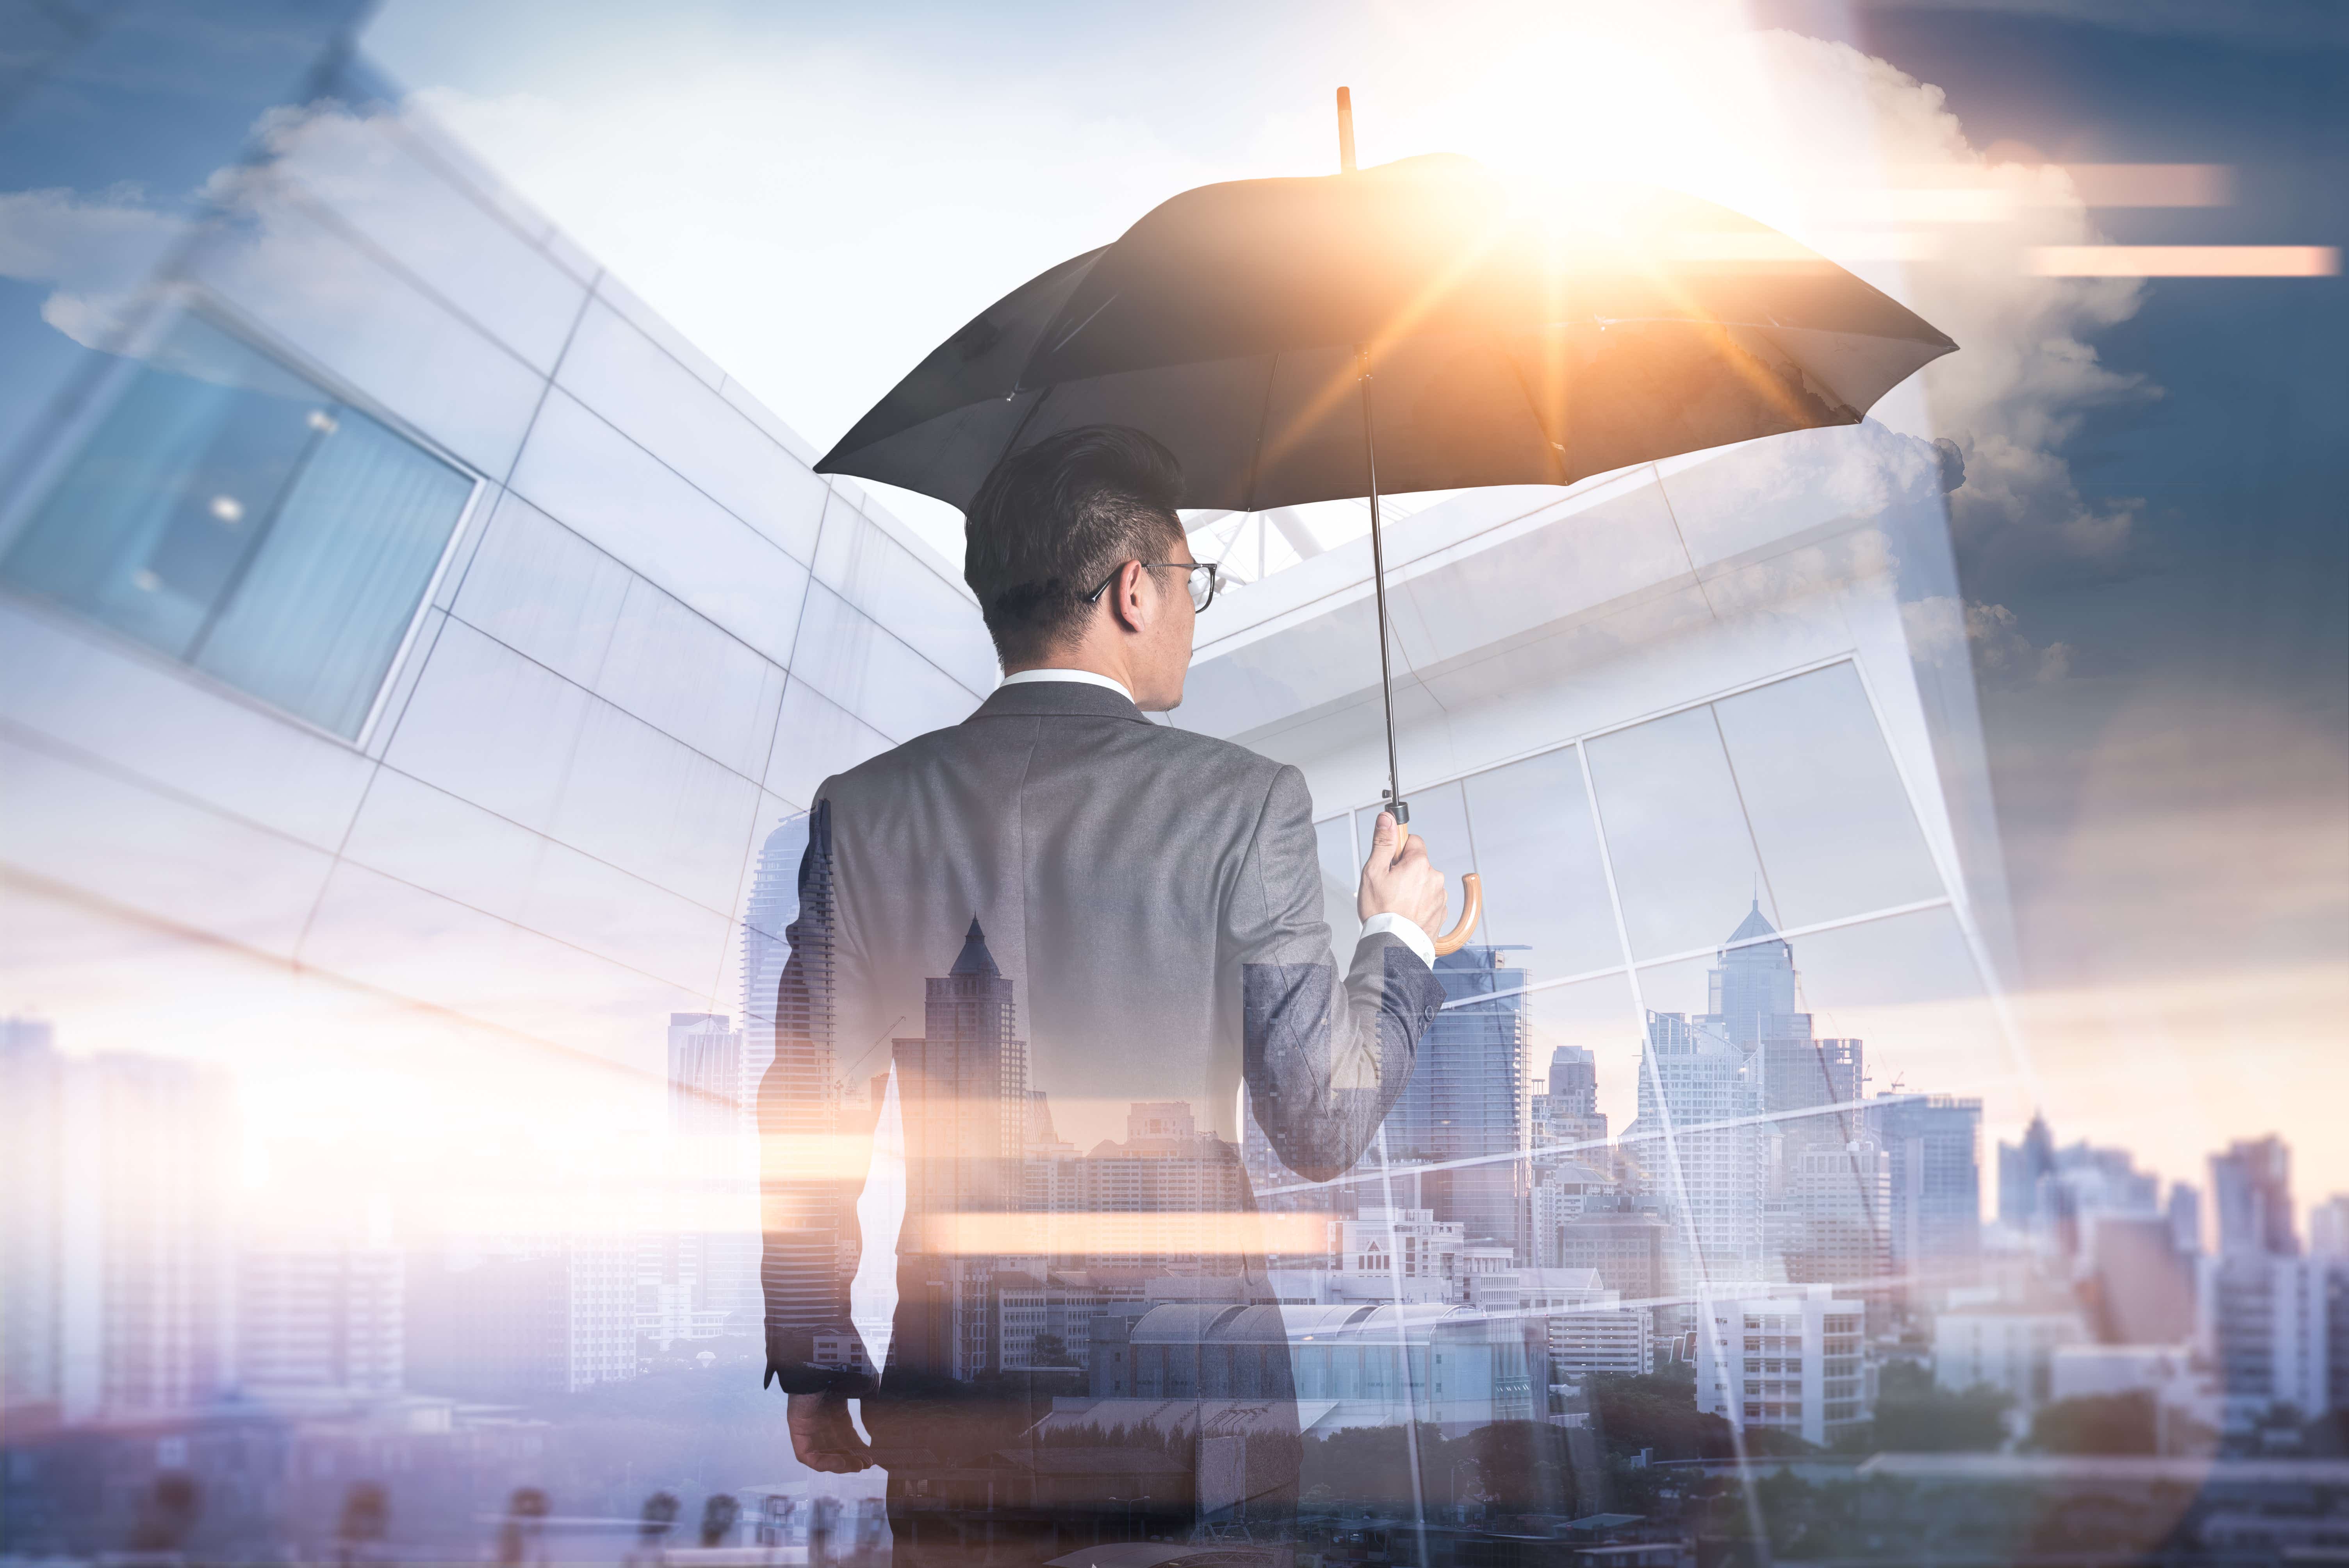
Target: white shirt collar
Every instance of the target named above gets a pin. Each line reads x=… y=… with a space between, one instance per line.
x=1082 y=677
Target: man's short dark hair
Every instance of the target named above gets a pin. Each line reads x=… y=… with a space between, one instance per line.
x=1056 y=518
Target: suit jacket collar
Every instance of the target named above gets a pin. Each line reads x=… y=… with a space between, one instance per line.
x=1058 y=698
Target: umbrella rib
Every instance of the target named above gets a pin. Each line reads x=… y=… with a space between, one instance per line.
x=1256 y=447
x=1064 y=340
x=1557 y=453
x=1021 y=430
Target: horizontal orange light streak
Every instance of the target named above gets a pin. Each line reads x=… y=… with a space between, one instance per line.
x=2184 y=261
x=1205 y=1234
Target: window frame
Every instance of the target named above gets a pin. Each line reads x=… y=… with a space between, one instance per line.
x=64 y=438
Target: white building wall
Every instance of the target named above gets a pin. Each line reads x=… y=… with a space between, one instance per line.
x=2094 y=1371
x=2262 y=1324
x=652 y=634
x=656 y=631
x=1604 y=1339
x=1794 y=1364
x=2010 y=1352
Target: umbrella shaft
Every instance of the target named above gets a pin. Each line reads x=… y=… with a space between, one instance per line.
x=1395 y=801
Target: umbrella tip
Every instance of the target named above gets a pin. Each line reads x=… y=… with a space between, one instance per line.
x=1345 y=132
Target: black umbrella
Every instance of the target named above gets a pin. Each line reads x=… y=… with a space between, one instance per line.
x=1414 y=326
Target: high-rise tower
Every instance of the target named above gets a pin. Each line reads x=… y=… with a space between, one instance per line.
x=798 y=1099
x=1752 y=989
x=962 y=1090
x=698 y=1274
x=1751 y=1131
x=1696 y=1147
x=1466 y=1101
x=774 y=903
x=2251 y=1182
x=119 y=1288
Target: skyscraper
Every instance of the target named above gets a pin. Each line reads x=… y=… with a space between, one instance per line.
x=1769 y=1191
x=774 y=904
x=2185 y=1212
x=119 y=1280
x=1695 y=1147
x=1164 y=1166
x=2024 y=1172
x=798 y=1098
x=2328 y=1227
x=509 y=1317
x=120 y=1286
x=321 y=1318
x=1574 y=1082
x=2265 y=1313
x=1466 y=1101
x=2251 y=1184
x=1841 y=1196
x=1826 y=1207
x=1933 y=1144
x=1751 y=990
x=32 y=1104
x=705 y=1076
x=697 y=1270
x=962 y=1090
x=1568 y=1113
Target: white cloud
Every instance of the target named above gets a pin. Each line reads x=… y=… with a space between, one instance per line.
x=2024 y=375
x=99 y=250
x=1941 y=628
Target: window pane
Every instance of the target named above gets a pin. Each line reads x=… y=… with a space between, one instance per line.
x=1538 y=854
x=150 y=524
x=1836 y=834
x=1582 y=1064
x=332 y=589
x=1677 y=833
x=226 y=512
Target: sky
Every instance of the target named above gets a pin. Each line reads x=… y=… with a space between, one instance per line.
x=2152 y=538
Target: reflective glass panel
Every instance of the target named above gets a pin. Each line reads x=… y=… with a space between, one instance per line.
x=230 y=514
x=1835 y=828
x=1676 y=832
x=1538 y=852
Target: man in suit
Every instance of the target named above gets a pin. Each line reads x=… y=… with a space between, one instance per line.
x=1065 y=919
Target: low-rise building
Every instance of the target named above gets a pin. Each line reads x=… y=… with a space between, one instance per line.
x=1043 y=1323
x=1614 y=1339
x=1786 y=1363
x=1403 y=1254
x=2008 y=1351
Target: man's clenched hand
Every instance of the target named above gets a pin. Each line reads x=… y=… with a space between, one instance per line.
x=824 y=1436
x=1399 y=879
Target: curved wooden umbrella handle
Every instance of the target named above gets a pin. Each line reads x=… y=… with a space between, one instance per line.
x=1472 y=904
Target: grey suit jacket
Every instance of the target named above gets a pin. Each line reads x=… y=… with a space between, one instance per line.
x=1051 y=917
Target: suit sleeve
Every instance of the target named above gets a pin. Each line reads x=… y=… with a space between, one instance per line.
x=811 y=1157
x=1325 y=1055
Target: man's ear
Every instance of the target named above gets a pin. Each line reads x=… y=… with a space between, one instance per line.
x=1123 y=592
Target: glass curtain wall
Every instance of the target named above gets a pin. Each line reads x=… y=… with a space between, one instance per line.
x=1643 y=1147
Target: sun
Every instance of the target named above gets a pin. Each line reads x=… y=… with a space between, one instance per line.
x=1691 y=96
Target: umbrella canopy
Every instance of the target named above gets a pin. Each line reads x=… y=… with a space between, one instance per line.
x=1507 y=342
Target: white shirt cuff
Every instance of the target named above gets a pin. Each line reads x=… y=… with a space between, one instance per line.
x=1413 y=935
